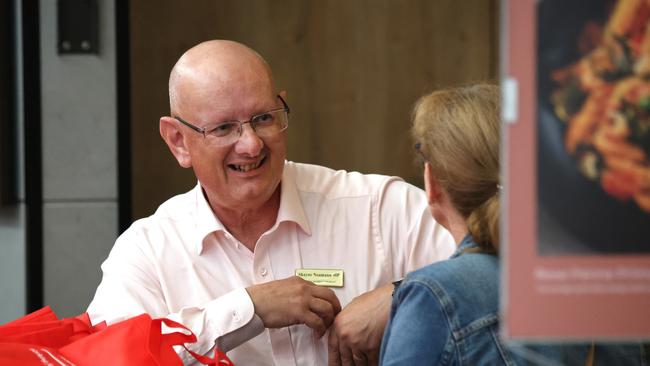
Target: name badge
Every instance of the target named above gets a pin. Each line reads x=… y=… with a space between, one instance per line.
x=322 y=277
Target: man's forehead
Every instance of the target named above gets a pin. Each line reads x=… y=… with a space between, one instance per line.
x=245 y=104
x=229 y=79
x=226 y=103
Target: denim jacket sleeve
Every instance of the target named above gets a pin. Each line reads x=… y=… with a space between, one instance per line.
x=414 y=336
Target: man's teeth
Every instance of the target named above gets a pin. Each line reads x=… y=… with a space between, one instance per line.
x=247 y=167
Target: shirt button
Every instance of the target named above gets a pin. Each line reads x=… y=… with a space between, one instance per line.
x=236 y=317
x=263 y=272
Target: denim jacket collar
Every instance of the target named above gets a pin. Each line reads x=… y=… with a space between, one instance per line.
x=465 y=244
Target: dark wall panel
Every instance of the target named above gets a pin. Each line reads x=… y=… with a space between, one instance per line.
x=8 y=151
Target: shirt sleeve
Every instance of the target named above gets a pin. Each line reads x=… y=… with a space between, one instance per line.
x=129 y=288
x=414 y=336
x=408 y=232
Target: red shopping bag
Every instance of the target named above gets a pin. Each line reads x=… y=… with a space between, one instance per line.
x=41 y=315
x=31 y=355
x=43 y=328
x=135 y=341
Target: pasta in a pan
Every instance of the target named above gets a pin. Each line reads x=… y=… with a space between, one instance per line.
x=604 y=98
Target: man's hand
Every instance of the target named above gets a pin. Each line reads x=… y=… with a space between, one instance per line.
x=294 y=301
x=355 y=336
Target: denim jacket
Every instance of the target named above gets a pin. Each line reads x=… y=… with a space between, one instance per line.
x=447 y=314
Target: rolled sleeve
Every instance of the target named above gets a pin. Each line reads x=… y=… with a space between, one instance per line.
x=236 y=326
x=227 y=321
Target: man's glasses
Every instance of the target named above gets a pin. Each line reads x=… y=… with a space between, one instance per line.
x=264 y=124
x=418 y=150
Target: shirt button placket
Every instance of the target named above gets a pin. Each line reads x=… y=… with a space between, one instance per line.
x=262 y=269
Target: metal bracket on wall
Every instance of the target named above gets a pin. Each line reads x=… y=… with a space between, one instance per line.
x=78 y=27
x=509 y=100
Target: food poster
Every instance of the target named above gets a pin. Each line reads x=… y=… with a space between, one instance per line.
x=576 y=168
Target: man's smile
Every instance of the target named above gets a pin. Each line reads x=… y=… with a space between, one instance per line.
x=246 y=167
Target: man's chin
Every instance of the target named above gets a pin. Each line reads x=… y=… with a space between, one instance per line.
x=249 y=193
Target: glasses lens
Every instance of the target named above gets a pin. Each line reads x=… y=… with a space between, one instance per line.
x=270 y=123
x=265 y=124
x=225 y=129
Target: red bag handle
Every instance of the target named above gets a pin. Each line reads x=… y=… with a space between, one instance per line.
x=162 y=343
x=219 y=358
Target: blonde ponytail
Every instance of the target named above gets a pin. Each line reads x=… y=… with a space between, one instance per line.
x=483 y=225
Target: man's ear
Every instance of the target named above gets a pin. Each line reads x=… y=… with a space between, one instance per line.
x=171 y=133
x=431 y=185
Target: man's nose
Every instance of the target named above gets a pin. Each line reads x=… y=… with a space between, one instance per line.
x=249 y=143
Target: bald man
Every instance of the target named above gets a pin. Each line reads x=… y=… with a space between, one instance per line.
x=223 y=258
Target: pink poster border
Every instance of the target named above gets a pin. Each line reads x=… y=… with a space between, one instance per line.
x=528 y=312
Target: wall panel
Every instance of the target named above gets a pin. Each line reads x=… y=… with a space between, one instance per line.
x=352 y=70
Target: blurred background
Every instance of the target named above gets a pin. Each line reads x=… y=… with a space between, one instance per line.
x=80 y=153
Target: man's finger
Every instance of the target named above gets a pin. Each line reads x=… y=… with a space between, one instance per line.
x=346 y=355
x=324 y=309
x=373 y=358
x=315 y=322
x=333 y=355
x=359 y=359
x=327 y=295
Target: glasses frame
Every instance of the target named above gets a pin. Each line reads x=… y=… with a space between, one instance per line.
x=203 y=130
x=418 y=150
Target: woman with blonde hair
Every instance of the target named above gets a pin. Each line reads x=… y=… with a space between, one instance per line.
x=447 y=313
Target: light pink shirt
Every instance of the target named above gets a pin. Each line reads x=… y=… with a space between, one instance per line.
x=182 y=263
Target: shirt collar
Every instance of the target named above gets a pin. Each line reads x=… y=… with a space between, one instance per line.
x=291 y=210
x=206 y=221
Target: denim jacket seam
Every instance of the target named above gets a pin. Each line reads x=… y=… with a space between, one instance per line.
x=499 y=345
x=445 y=301
x=457 y=334
x=447 y=309
x=477 y=325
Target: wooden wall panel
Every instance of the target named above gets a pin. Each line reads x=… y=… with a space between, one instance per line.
x=352 y=70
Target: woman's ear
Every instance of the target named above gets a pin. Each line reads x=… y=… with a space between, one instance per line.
x=431 y=185
x=173 y=137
